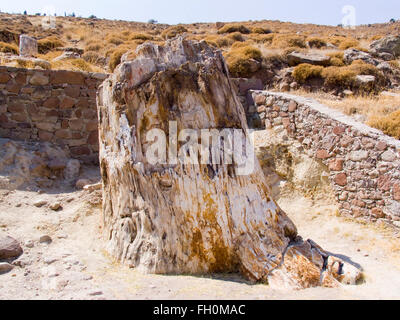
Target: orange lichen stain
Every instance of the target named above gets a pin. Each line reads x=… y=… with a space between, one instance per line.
x=218 y=258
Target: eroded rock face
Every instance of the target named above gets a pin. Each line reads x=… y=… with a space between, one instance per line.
x=390 y=44
x=296 y=58
x=180 y=218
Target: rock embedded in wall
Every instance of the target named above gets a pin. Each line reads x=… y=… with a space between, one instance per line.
x=189 y=218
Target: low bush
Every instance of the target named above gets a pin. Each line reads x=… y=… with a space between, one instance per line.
x=8 y=48
x=305 y=71
x=172 y=32
x=236 y=36
x=262 y=38
x=48 y=44
x=239 y=60
x=115 y=58
x=141 y=36
x=231 y=28
x=388 y=124
x=219 y=41
x=316 y=43
x=288 y=40
x=349 y=43
x=260 y=30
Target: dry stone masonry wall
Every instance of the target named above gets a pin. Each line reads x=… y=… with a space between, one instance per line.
x=54 y=106
x=364 y=163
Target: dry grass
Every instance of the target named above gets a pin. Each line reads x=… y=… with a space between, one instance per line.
x=315 y=42
x=231 y=28
x=380 y=111
x=30 y=64
x=8 y=48
x=288 y=40
x=238 y=59
x=115 y=58
x=48 y=44
x=260 y=30
x=172 y=32
x=389 y=124
x=305 y=72
x=349 y=43
x=340 y=76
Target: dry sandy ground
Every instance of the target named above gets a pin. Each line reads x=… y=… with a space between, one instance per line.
x=75 y=266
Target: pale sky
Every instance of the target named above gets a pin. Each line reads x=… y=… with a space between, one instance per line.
x=180 y=11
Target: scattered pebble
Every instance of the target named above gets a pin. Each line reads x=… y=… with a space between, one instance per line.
x=40 y=203
x=49 y=260
x=45 y=239
x=55 y=206
x=29 y=244
x=81 y=183
x=96 y=293
x=5 y=267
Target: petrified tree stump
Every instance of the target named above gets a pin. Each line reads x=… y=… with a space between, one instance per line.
x=175 y=218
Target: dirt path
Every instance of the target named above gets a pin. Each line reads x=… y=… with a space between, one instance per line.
x=75 y=266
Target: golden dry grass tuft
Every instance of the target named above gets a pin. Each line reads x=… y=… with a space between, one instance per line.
x=140 y=36
x=173 y=31
x=238 y=59
x=260 y=30
x=388 y=124
x=315 y=42
x=305 y=71
x=115 y=58
x=349 y=43
x=231 y=28
x=8 y=48
x=288 y=40
x=48 y=44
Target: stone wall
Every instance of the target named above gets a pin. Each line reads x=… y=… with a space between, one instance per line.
x=364 y=164
x=54 y=106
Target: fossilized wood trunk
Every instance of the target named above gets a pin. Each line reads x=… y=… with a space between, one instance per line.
x=187 y=219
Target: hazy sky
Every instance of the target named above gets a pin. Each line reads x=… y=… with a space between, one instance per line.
x=180 y=11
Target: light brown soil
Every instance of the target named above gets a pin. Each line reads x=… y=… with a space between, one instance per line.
x=82 y=270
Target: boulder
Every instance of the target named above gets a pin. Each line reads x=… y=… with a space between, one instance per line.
x=365 y=80
x=180 y=214
x=9 y=248
x=67 y=55
x=390 y=44
x=296 y=58
x=351 y=55
x=28 y=46
x=5 y=267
